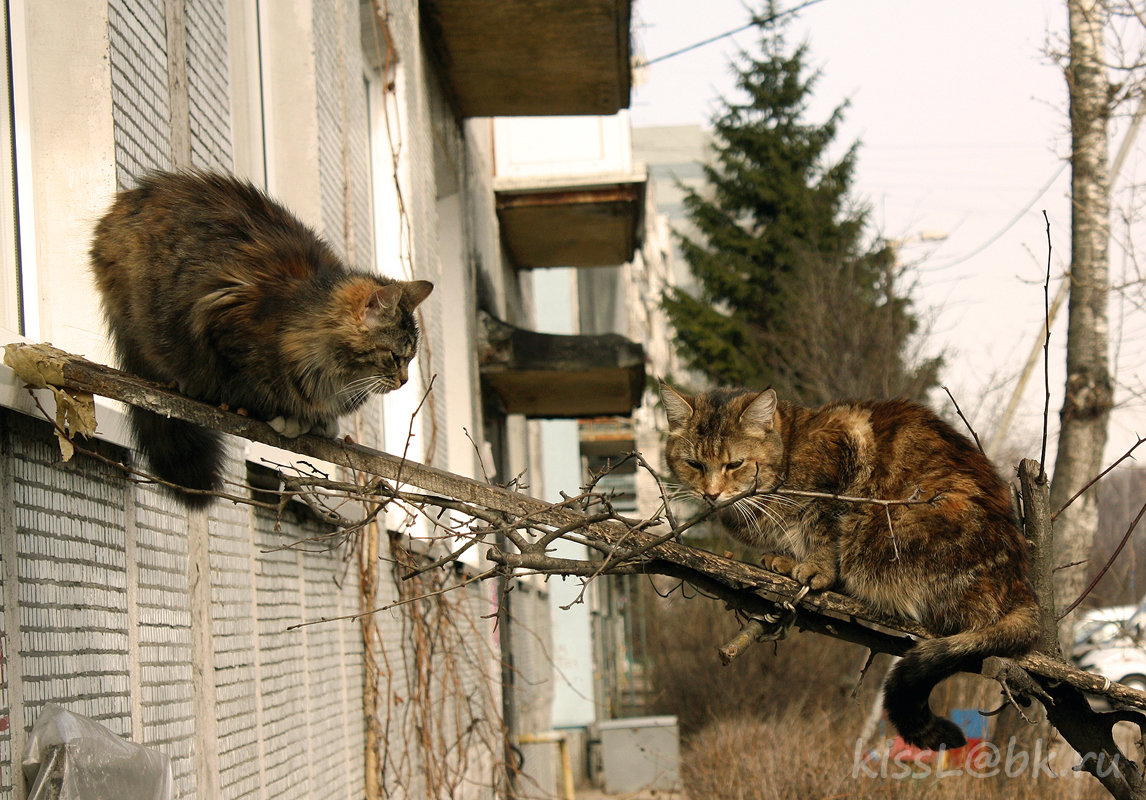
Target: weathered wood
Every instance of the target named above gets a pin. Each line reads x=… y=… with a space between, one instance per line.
x=1062 y=688
x=1037 y=528
x=488 y=51
x=745 y=587
x=555 y=375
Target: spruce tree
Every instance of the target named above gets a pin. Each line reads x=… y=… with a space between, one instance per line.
x=793 y=292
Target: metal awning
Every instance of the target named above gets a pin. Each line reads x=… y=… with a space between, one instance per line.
x=511 y=58
x=556 y=376
x=587 y=221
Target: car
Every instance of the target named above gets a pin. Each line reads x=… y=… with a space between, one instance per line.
x=1122 y=662
x=1101 y=627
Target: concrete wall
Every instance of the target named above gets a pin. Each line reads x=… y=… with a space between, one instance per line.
x=106 y=612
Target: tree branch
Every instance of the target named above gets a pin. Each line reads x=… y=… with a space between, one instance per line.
x=628 y=546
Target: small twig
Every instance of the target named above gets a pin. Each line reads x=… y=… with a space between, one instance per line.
x=772 y=627
x=1008 y=700
x=353 y=617
x=1100 y=476
x=552 y=565
x=611 y=562
x=447 y=558
x=1071 y=564
x=410 y=430
x=478 y=453
x=748 y=635
x=1008 y=672
x=891 y=533
x=660 y=487
x=959 y=411
x=541 y=544
x=871 y=654
x=914 y=500
x=1107 y=565
x=1046 y=354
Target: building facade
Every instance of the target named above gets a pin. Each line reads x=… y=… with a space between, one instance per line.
x=371 y=120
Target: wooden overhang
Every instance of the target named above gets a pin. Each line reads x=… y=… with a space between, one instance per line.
x=589 y=221
x=517 y=58
x=555 y=376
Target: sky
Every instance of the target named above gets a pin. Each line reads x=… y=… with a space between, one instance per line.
x=961 y=117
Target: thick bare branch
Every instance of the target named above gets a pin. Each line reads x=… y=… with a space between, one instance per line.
x=629 y=545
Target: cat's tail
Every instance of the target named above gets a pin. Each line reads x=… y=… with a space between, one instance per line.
x=910 y=682
x=180 y=453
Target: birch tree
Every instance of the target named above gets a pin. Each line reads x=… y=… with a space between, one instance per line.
x=1089 y=388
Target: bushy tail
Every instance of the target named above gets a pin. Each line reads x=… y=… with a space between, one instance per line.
x=181 y=453
x=910 y=683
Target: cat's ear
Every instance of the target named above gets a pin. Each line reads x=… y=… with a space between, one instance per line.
x=677 y=406
x=414 y=292
x=761 y=412
x=382 y=303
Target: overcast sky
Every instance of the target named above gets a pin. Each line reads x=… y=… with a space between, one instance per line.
x=961 y=117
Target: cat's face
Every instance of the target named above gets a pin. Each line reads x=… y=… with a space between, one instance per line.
x=360 y=344
x=383 y=337
x=723 y=443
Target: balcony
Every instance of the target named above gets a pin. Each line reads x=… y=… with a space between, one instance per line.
x=584 y=221
x=508 y=58
x=554 y=376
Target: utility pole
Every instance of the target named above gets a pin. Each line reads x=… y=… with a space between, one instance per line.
x=1004 y=425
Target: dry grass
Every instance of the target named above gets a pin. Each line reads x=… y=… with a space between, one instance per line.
x=813 y=757
x=781 y=725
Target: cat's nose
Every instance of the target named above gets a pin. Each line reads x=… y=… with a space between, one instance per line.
x=403 y=376
x=711 y=496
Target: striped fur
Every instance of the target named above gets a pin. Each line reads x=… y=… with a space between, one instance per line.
x=209 y=285
x=957 y=565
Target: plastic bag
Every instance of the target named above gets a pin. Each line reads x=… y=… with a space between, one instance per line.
x=71 y=757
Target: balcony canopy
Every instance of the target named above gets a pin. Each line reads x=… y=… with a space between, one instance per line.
x=510 y=58
x=556 y=376
x=588 y=221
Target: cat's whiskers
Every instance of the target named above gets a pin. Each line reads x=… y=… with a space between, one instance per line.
x=681 y=491
x=747 y=519
x=357 y=391
x=765 y=510
x=684 y=492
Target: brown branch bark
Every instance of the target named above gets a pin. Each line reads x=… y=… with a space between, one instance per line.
x=1063 y=694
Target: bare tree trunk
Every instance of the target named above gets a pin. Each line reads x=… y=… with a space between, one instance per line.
x=1088 y=398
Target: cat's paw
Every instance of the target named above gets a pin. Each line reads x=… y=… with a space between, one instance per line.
x=290 y=427
x=814 y=576
x=328 y=428
x=778 y=563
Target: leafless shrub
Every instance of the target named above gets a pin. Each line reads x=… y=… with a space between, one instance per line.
x=802 y=674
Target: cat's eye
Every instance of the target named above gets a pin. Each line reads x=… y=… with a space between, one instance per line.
x=734 y=464
x=695 y=465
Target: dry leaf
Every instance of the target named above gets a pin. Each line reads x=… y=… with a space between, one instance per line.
x=39 y=367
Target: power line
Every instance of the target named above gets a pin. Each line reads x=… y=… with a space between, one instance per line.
x=1115 y=168
x=760 y=21
x=1014 y=221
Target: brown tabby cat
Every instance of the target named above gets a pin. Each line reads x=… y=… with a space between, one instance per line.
x=958 y=565
x=210 y=285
